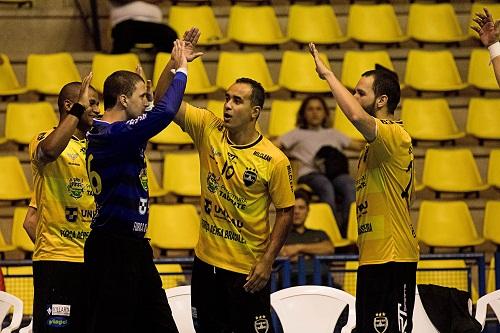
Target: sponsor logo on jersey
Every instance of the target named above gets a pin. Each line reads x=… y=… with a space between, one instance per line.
x=75 y=187
x=264 y=156
x=380 y=322
x=212 y=183
x=143 y=206
x=249 y=176
x=143 y=177
x=71 y=213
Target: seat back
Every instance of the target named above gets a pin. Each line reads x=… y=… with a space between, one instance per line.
x=491 y=226
x=352 y=224
x=357 y=62
x=103 y=65
x=172 y=135
x=48 y=73
x=451 y=170
x=283 y=117
x=314 y=23
x=171 y=275
x=298 y=73
x=254 y=25
x=493 y=300
x=25 y=120
x=181 y=174
x=342 y=124
x=432 y=71
x=312 y=309
x=6 y=302
x=19 y=236
x=8 y=78
x=179 y=299
x=446 y=224
x=491 y=283
x=230 y=68
x=182 y=18
x=216 y=107
x=321 y=217
x=13 y=183
x=154 y=188
x=483 y=118
x=374 y=24
x=174 y=226
x=19 y=282
x=494 y=168
x=433 y=23
x=429 y=119
x=481 y=74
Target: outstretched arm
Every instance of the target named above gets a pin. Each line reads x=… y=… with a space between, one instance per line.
x=489 y=31
x=348 y=104
x=30 y=222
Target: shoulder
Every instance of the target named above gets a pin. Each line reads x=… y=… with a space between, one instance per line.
x=270 y=151
x=393 y=128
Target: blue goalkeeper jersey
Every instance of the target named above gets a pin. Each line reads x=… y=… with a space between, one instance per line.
x=116 y=164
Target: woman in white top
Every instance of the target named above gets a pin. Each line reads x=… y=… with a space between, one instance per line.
x=135 y=22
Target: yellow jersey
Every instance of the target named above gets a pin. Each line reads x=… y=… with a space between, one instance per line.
x=384 y=190
x=238 y=183
x=64 y=200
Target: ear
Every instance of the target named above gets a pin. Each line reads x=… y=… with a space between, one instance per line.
x=382 y=101
x=67 y=105
x=256 y=112
x=123 y=100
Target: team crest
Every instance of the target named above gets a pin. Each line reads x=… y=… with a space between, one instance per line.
x=75 y=187
x=143 y=177
x=71 y=214
x=261 y=324
x=380 y=322
x=250 y=176
x=212 y=184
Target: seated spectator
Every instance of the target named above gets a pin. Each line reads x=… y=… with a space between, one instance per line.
x=136 y=22
x=323 y=165
x=304 y=241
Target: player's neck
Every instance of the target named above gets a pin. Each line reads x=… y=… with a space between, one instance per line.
x=80 y=133
x=113 y=115
x=384 y=114
x=242 y=136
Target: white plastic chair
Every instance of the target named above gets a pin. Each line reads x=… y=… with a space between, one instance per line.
x=312 y=309
x=493 y=299
x=179 y=299
x=27 y=329
x=6 y=302
x=421 y=321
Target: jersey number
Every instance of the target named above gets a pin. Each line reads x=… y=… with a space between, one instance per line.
x=227 y=170
x=94 y=178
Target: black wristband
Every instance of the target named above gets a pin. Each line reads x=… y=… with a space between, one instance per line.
x=77 y=110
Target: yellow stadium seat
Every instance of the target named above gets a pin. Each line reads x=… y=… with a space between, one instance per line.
x=234 y=65
x=477 y=7
x=491 y=227
x=181 y=174
x=216 y=107
x=283 y=117
x=429 y=120
x=321 y=217
x=314 y=23
x=491 y=283
x=19 y=282
x=483 y=119
x=5 y=247
x=171 y=275
x=419 y=186
x=198 y=82
x=481 y=74
x=357 y=62
x=171 y=135
x=25 y=120
x=9 y=85
x=103 y=65
x=342 y=124
x=182 y=18
x=154 y=188
x=446 y=224
x=432 y=71
x=350 y=277
x=174 y=226
x=374 y=24
x=48 y=73
x=452 y=170
x=352 y=224
x=254 y=25
x=13 y=183
x=298 y=73
x=434 y=23
x=20 y=238
x=494 y=168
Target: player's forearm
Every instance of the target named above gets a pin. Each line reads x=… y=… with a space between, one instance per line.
x=30 y=222
x=280 y=232
x=324 y=247
x=164 y=81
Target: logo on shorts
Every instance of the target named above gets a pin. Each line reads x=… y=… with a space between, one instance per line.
x=380 y=322
x=250 y=176
x=59 y=310
x=261 y=324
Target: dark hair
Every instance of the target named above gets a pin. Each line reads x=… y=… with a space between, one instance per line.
x=69 y=91
x=301 y=118
x=119 y=83
x=258 y=94
x=304 y=195
x=386 y=83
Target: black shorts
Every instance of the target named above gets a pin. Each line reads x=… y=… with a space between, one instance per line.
x=60 y=299
x=221 y=305
x=385 y=295
x=125 y=289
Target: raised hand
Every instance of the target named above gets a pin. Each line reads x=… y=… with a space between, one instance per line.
x=487 y=29
x=191 y=37
x=179 y=54
x=321 y=68
x=83 y=97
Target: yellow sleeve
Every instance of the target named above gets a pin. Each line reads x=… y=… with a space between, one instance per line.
x=33 y=201
x=281 y=184
x=33 y=147
x=196 y=121
x=386 y=141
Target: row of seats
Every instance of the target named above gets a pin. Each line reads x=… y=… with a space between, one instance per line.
x=366 y=23
x=434 y=71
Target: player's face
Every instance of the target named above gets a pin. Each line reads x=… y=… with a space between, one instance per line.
x=238 y=107
x=137 y=103
x=300 y=212
x=93 y=111
x=314 y=113
x=365 y=95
